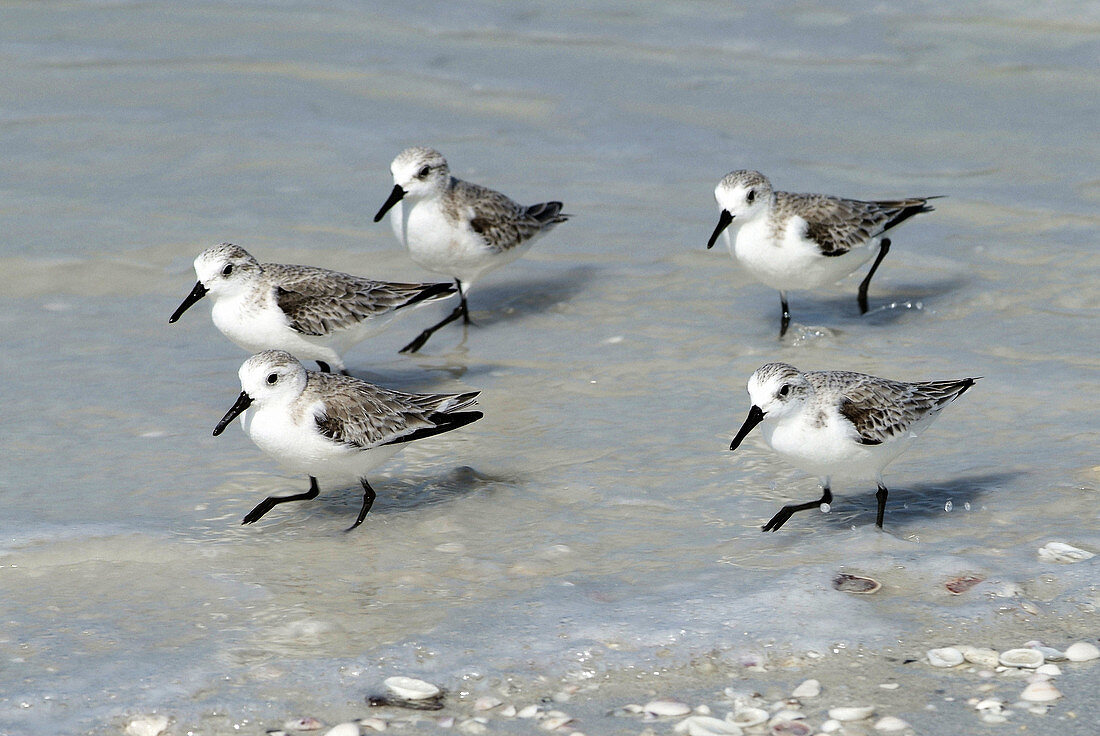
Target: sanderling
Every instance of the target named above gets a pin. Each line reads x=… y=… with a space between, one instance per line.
x=840 y=423
x=329 y=425
x=310 y=312
x=803 y=241
x=457 y=228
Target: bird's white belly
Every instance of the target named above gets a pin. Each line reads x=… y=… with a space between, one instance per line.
x=444 y=246
x=295 y=443
x=256 y=329
x=829 y=450
x=793 y=262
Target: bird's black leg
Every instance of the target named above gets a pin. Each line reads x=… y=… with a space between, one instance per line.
x=368 y=501
x=465 y=308
x=324 y=366
x=785 y=320
x=344 y=372
x=422 y=338
x=272 y=501
x=785 y=513
x=883 y=249
x=881 y=496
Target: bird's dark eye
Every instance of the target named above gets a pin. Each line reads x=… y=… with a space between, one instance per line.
x=424 y=171
x=272 y=377
x=784 y=389
x=228 y=269
x=751 y=196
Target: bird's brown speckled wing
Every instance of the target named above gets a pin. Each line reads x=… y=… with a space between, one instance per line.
x=837 y=225
x=500 y=221
x=318 y=302
x=362 y=415
x=881 y=409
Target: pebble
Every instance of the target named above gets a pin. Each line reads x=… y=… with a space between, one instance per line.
x=148 y=725
x=1040 y=692
x=303 y=724
x=808 y=689
x=1062 y=552
x=1082 y=651
x=890 y=724
x=410 y=688
x=961 y=584
x=666 y=707
x=348 y=728
x=1050 y=654
x=707 y=726
x=851 y=713
x=944 y=657
x=1029 y=658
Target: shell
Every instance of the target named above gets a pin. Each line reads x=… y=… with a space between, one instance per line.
x=831 y=726
x=790 y=728
x=666 y=707
x=410 y=688
x=748 y=717
x=944 y=657
x=855 y=584
x=1082 y=651
x=555 y=722
x=508 y=711
x=348 y=728
x=374 y=724
x=706 y=726
x=889 y=724
x=1029 y=658
x=851 y=712
x=1050 y=670
x=980 y=656
x=149 y=725
x=1040 y=692
x=1062 y=552
x=808 y=689
x=962 y=583
x=529 y=711
x=487 y=702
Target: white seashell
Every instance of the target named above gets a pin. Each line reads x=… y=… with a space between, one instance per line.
x=1040 y=692
x=945 y=657
x=707 y=726
x=808 y=689
x=990 y=704
x=303 y=724
x=470 y=727
x=148 y=725
x=445 y=722
x=1050 y=654
x=1038 y=709
x=790 y=728
x=410 y=688
x=993 y=717
x=748 y=717
x=980 y=656
x=852 y=712
x=889 y=724
x=1050 y=670
x=787 y=715
x=374 y=724
x=1082 y=651
x=1062 y=552
x=487 y=702
x=508 y=711
x=666 y=707
x=831 y=726
x=1029 y=658
x=554 y=722
x=890 y=685
x=348 y=728
x=702 y=710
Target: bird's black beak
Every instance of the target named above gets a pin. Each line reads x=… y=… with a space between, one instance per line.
x=396 y=196
x=724 y=221
x=243 y=402
x=756 y=415
x=197 y=293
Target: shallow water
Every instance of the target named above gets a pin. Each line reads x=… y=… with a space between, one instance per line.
x=594 y=520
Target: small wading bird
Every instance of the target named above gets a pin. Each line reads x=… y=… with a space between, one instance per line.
x=312 y=313
x=457 y=228
x=840 y=423
x=804 y=241
x=332 y=425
